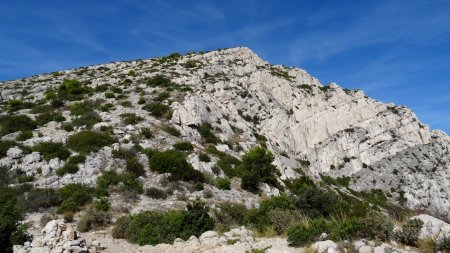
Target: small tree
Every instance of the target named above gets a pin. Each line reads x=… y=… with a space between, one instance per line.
x=257 y=167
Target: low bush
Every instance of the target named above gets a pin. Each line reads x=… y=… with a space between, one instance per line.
x=171 y=130
x=43 y=108
x=94 y=219
x=17 y=104
x=50 y=150
x=87 y=119
x=158 y=110
x=174 y=162
x=5 y=146
x=227 y=163
x=74 y=197
x=135 y=167
x=152 y=227
x=155 y=193
x=230 y=215
x=205 y=130
x=282 y=219
x=409 y=234
x=102 y=204
x=204 y=158
x=443 y=245
x=80 y=108
x=112 y=178
x=147 y=133
x=223 y=183
x=183 y=146
x=72 y=90
x=131 y=118
x=89 y=141
x=15 y=123
x=41 y=198
x=162 y=96
x=305 y=233
x=158 y=81
x=71 y=165
x=24 y=135
x=46 y=117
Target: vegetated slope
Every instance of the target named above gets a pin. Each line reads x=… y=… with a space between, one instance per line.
x=231 y=97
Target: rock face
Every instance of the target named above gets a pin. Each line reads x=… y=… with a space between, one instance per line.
x=56 y=237
x=322 y=129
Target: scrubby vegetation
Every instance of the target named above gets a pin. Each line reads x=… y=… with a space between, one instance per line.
x=174 y=162
x=205 y=130
x=183 y=146
x=15 y=123
x=152 y=227
x=257 y=167
x=89 y=141
x=50 y=150
x=158 y=110
x=74 y=197
x=71 y=165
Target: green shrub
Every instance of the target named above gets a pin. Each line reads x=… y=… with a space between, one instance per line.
x=74 y=197
x=147 y=132
x=198 y=186
x=112 y=178
x=158 y=81
x=50 y=150
x=312 y=200
x=46 y=117
x=106 y=107
x=223 y=183
x=15 y=123
x=302 y=234
x=205 y=130
x=204 y=158
x=11 y=232
x=257 y=168
x=282 y=219
x=172 y=130
x=230 y=215
x=80 y=108
x=110 y=95
x=155 y=193
x=24 y=135
x=41 y=109
x=443 y=244
x=162 y=96
x=227 y=163
x=71 y=165
x=134 y=166
x=17 y=104
x=89 y=141
x=152 y=227
x=87 y=119
x=72 y=90
x=131 y=118
x=409 y=234
x=102 y=204
x=41 y=198
x=158 y=110
x=94 y=219
x=183 y=146
x=174 y=162
x=102 y=87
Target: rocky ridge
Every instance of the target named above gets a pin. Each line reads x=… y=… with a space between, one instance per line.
x=324 y=130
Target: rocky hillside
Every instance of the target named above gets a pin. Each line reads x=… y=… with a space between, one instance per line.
x=73 y=126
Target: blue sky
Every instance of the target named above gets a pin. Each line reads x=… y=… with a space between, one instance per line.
x=396 y=51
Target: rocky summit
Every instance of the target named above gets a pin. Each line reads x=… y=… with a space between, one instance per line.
x=110 y=148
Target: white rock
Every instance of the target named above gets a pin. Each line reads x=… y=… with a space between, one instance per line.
x=14 y=153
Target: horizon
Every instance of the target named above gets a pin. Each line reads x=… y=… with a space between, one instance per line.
x=394 y=51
